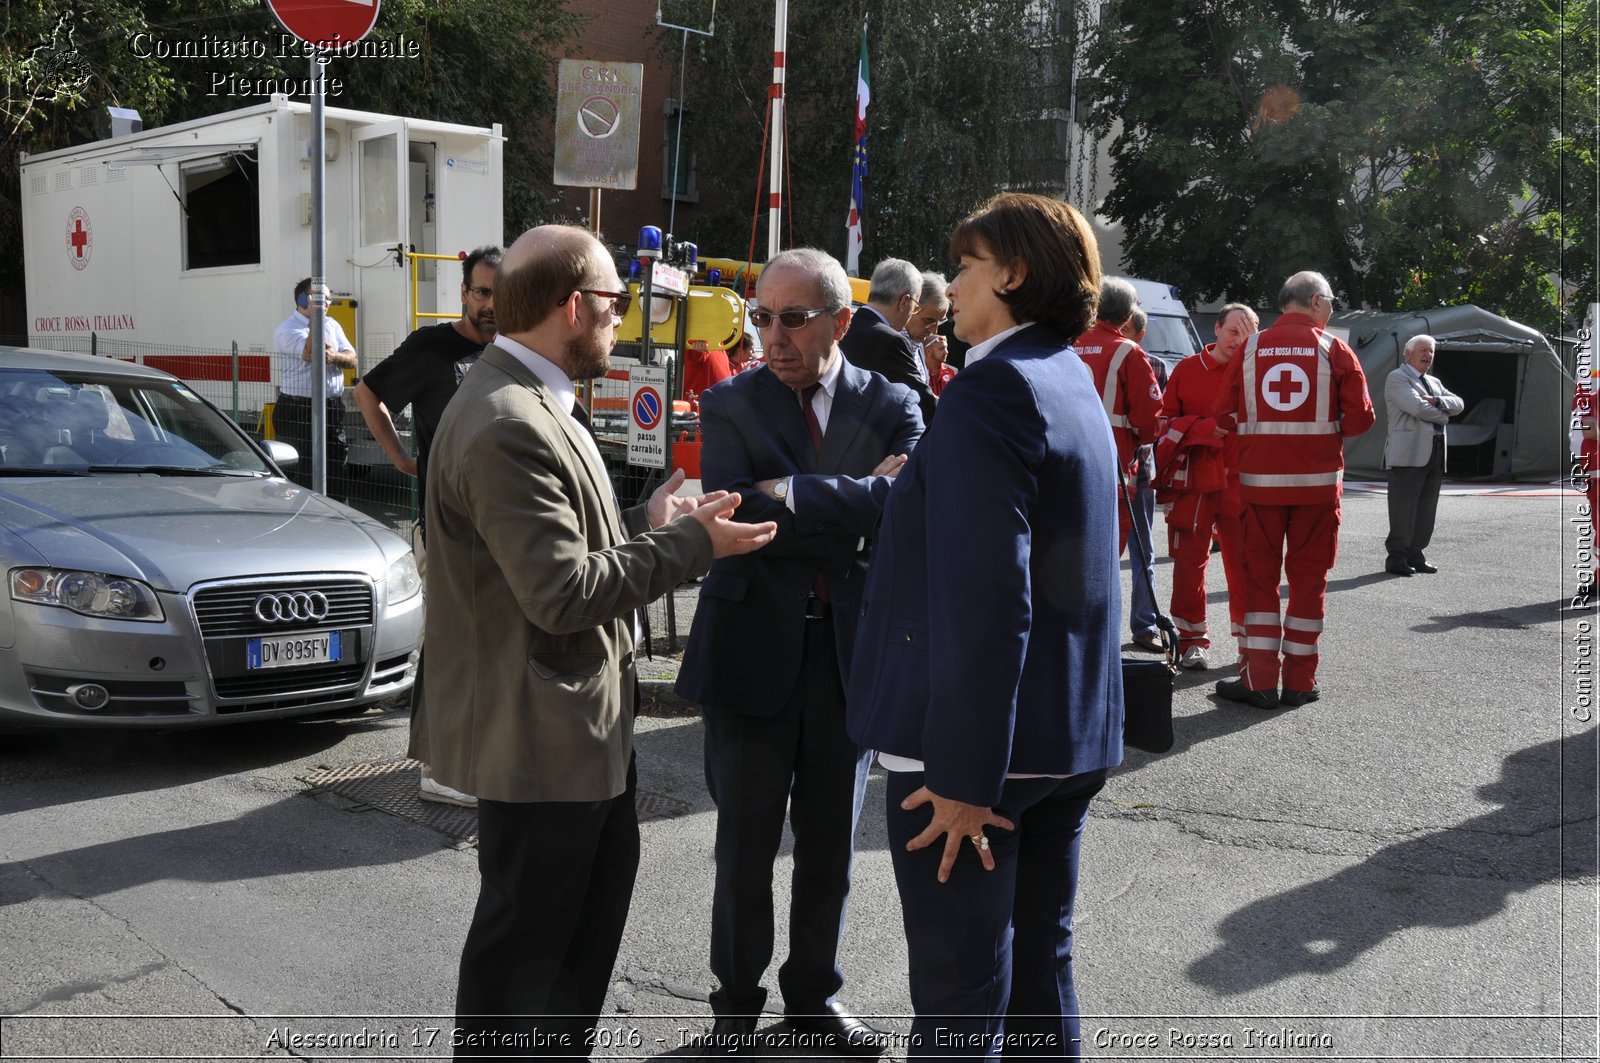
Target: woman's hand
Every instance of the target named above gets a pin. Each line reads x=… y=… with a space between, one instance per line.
x=960 y=823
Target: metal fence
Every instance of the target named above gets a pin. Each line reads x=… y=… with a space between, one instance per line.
x=239 y=382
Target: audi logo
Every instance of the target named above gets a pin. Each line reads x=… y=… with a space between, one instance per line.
x=288 y=606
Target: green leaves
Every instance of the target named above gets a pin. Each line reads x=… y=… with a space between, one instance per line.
x=1417 y=152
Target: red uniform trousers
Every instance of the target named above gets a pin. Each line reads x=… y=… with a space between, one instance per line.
x=1300 y=542
x=1190 y=549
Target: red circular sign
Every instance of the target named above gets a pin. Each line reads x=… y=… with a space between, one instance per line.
x=80 y=238
x=647 y=408
x=327 y=22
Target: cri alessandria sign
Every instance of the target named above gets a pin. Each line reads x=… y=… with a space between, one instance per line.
x=147 y=45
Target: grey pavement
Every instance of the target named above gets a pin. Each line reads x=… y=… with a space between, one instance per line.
x=1405 y=869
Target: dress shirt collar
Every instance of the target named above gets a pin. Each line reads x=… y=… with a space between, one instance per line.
x=830 y=376
x=1412 y=370
x=562 y=391
x=866 y=309
x=986 y=348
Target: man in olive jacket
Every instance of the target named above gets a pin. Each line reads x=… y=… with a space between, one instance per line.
x=532 y=587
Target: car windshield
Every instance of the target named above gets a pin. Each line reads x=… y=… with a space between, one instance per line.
x=75 y=423
x=1174 y=336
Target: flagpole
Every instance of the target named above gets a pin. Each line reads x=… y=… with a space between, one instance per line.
x=780 y=40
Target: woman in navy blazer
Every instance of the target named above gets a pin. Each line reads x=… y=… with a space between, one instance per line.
x=989 y=678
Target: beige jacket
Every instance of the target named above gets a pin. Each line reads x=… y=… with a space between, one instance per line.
x=531 y=588
x=1411 y=417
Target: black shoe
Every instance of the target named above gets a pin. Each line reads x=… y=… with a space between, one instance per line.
x=1295 y=698
x=1397 y=568
x=1235 y=690
x=730 y=1035
x=836 y=1030
x=1423 y=567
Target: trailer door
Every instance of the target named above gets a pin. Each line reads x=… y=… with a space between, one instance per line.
x=381 y=188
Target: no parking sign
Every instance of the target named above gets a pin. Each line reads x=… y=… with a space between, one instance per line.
x=647 y=416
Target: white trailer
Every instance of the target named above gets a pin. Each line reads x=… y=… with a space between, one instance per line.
x=192 y=236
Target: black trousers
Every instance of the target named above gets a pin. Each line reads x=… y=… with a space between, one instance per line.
x=802 y=760
x=1413 y=503
x=557 y=877
x=291 y=422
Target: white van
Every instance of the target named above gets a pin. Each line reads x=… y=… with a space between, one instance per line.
x=1171 y=335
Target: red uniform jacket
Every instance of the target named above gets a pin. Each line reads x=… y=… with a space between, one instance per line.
x=1293 y=394
x=1127 y=386
x=1194 y=388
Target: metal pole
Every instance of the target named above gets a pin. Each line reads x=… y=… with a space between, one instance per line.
x=780 y=39
x=235 y=376
x=677 y=145
x=319 y=356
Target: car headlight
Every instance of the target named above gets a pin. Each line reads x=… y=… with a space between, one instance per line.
x=404 y=581
x=90 y=593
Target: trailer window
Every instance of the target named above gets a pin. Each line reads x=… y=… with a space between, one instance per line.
x=221 y=212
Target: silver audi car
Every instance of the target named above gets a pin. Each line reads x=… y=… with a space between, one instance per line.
x=161 y=571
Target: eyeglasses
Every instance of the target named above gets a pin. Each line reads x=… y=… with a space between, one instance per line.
x=482 y=293
x=1335 y=304
x=789 y=319
x=620 y=301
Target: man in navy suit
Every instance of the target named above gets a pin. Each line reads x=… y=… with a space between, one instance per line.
x=814 y=443
x=876 y=339
x=989 y=678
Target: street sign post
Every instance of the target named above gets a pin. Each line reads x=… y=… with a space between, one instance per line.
x=326 y=24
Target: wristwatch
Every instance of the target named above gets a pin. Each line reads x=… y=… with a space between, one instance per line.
x=780 y=490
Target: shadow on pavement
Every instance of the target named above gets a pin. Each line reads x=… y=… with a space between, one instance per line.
x=1542 y=832
x=1516 y=618
x=103 y=763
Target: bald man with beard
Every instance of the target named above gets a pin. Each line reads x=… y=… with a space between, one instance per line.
x=533 y=581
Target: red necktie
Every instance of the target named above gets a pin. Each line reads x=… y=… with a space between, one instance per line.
x=806 y=395
x=819 y=585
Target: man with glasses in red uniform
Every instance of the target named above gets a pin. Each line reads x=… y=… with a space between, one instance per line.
x=1293 y=396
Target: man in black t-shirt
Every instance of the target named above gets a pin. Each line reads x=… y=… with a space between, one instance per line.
x=425 y=369
x=423 y=373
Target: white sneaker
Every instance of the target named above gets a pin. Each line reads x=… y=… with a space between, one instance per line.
x=1194 y=658
x=442 y=794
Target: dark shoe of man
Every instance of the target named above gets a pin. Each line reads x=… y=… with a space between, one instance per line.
x=1397 y=568
x=838 y=1031
x=730 y=1036
x=1235 y=690
x=1293 y=699
x=1423 y=567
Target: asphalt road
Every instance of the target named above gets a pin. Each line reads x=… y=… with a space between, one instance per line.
x=1405 y=869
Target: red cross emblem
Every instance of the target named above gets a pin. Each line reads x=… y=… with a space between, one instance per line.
x=80 y=238
x=1285 y=386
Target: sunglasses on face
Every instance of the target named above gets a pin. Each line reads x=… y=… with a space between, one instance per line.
x=620 y=301
x=789 y=319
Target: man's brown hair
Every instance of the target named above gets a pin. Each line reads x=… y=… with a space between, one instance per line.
x=525 y=296
x=1054 y=241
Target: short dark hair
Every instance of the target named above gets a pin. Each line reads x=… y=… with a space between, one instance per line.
x=302 y=288
x=1054 y=241
x=488 y=254
x=524 y=297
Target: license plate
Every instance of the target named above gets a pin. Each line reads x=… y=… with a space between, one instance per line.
x=289 y=651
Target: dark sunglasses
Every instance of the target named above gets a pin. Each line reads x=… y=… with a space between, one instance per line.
x=789 y=319
x=620 y=301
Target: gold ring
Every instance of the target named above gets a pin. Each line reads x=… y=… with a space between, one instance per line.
x=980 y=841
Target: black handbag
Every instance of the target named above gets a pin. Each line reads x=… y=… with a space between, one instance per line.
x=1146 y=684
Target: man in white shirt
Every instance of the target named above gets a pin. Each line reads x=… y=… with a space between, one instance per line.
x=291 y=416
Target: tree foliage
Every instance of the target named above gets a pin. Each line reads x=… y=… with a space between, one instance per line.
x=1419 y=153
x=958 y=88
x=479 y=61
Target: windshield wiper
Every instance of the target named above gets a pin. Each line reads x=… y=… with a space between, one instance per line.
x=174 y=470
x=42 y=470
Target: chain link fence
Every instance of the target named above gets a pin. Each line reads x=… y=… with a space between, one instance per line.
x=239 y=382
